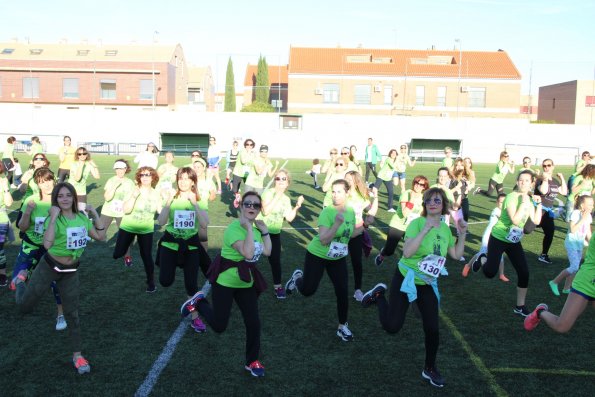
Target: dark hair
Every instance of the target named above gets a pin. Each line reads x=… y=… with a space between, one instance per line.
x=316 y=161
x=43 y=174
x=444 y=169
x=192 y=175
x=550 y=160
x=251 y=193
x=343 y=182
x=15 y=160
x=2 y=168
x=45 y=159
x=528 y=172
x=71 y=189
x=66 y=136
x=11 y=139
x=251 y=141
x=585 y=153
x=435 y=191
x=392 y=150
x=419 y=178
x=154 y=175
x=588 y=171
x=35 y=139
x=578 y=200
x=287 y=174
x=155 y=149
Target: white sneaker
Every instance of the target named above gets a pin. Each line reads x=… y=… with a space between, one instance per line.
x=206 y=288
x=344 y=333
x=61 y=323
x=290 y=285
x=358 y=295
x=392 y=210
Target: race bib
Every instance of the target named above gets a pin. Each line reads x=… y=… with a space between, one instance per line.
x=76 y=237
x=411 y=217
x=432 y=265
x=258 y=250
x=337 y=250
x=515 y=234
x=184 y=219
x=118 y=206
x=38 y=225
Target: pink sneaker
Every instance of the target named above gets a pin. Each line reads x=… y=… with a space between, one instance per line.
x=236 y=201
x=533 y=319
x=198 y=325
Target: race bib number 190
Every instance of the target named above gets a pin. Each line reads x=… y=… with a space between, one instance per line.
x=76 y=237
x=184 y=219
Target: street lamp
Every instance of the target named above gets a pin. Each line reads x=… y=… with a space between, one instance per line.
x=153 y=99
x=459 y=81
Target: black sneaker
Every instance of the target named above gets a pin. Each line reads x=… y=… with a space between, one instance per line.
x=479 y=262
x=544 y=258
x=290 y=285
x=521 y=311
x=433 y=376
x=151 y=288
x=372 y=295
x=3 y=280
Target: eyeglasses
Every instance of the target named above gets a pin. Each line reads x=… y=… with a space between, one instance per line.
x=145 y=174
x=280 y=178
x=39 y=159
x=195 y=155
x=340 y=165
x=333 y=153
x=250 y=204
x=422 y=184
x=344 y=152
x=403 y=147
x=547 y=165
x=435 y=200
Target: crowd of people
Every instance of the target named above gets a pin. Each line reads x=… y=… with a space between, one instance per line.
x=55 y=223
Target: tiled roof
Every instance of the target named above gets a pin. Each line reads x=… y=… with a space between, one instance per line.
x=383 y=62
x=86 y=52
x=277 y=74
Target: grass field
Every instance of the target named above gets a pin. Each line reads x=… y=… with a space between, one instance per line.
x=484 y=349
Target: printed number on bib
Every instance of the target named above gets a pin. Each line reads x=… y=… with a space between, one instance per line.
x=515 y=234
x=76 y=237
x=258 y=250
x=118 y=206
x=337 y=250
x=432 y=265
x=184 y=219
x=39 y=222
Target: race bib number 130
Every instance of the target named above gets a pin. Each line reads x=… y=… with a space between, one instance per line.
x=432 y=265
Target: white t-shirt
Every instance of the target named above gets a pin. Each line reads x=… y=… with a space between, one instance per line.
x=577 y=239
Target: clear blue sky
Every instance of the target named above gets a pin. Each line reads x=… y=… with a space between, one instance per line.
x=556 y=37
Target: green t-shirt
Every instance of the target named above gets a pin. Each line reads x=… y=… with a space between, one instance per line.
x=81 y=185
x=167 y=176
x=255 y=179
x=32 y=188
x=36 y=148
x=281 y=207
x=399 y=220
x=71 y=235
x=579 y=164
x=243 y=163
x=182 y=222
x=205 y=187
x=8 y=151
x=448 y=162
x=500 y=172
x=38 y=215
x=584 y=191
x=124 y=188
x=338 y=247
x=3 y=215
x=236 y=232
x=387 y=169
x=436 y=242
x=584 y=279
x=502 y=228
x=142 y=218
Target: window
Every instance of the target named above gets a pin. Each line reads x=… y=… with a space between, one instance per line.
x=30 y=87
x=111 y=53
x=108 y=89
x=70 y=88
x=388 y=94
x=146 y=89
x=362 y=94
x=420 y=95
x=589 y=101
x=35 y=51
x=476 y=97
x=441 y=96
x=82 y=53
x=7 y=51
x=330 y=93
x=195 y=95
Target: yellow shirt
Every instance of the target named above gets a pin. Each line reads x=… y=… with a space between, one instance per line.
x=68 y=152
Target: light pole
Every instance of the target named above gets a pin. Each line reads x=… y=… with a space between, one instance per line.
x=459 y=81
x=153 y=99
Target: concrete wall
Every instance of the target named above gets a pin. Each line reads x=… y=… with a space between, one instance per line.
x=482 y=138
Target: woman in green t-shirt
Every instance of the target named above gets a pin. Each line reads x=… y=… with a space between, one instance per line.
x=427 y=242
x=261 y=168
x=409 y=209
x=517 y=209
x=584 y=184
x=28 y=185
x=66 y=157
x=65 y=238
x=8 y=158
x=504 y=167
x=5 y=201
x=234 y=276
x=244 y=162
x=337 y=173
x=385 y=175
x=276 y=207
x=180 y=245
x=35 y=148
x=80 y=170
x=167 y=174
x=328 y=251
x=139 y=221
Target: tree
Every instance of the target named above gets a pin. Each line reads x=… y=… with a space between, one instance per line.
x=230 y=89
x=262 y=81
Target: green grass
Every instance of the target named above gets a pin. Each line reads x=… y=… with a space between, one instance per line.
x=484 y=349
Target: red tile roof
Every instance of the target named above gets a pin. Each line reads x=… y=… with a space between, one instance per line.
x=383 y=62
x=276 y=73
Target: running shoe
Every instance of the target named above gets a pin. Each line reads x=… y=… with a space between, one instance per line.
x=236 y=201
x=391 y=210
x=521 y=310
x=502 y=277
x=532 y=320
x=433 y=376
x=465 y=271
x=151 y=289
x=358 y=295
x=477 y=190
x=378 y=260
x=479 y=262
x=344 y=333
x=255 y=368
x=198 y=325
x=545 y=259
x=290 y=285
x=566 y=291
x=81 y=365
x=189 y=306
x=554 y=288
x=61 y=323
x=3 y=280
x=20 y=278
x=127 y=261
x=372 y=295
x=280 y=293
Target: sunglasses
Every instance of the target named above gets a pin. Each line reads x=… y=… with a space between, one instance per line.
x=264 y=151
x=422 y=184
x=436 y=201
x=344 y=152
x=195 y=155
x=250 y=204
x=249 y=144
x=547 y=165
x=81 y=154
x=280 y=178
x=39 y=159
x=333 y=153
x=146 y=174
x=340 y=165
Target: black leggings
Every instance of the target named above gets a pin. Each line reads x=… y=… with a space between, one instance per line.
x=491 y=186
x=515 y=254
x=371 y=167
x=217 y=315
x=356 y=253
x=236 y=181
x=547 y=225
x=465 y=208
x=168 y=259
x=8 y=164
x=392 y=314
x=145 y=247
x=63 y=175
x=275 y=257
x=392 y=241
x=337 y=271
x=389 y=188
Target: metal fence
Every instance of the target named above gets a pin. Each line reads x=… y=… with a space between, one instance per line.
x=98 y=147
x=184 y=149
